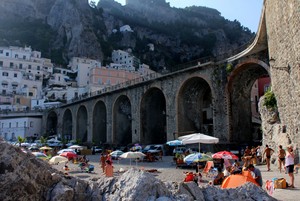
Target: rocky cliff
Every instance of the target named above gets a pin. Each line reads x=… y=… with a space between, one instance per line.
x=62 y=29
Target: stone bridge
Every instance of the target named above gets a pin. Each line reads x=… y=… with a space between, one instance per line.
x=211 y=97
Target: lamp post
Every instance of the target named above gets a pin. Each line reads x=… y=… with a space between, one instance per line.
x=284 y=68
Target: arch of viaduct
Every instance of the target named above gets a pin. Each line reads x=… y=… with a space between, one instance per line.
x=203 y=98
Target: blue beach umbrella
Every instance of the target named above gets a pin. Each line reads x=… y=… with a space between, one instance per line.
x=196 y=158
x=174 y=143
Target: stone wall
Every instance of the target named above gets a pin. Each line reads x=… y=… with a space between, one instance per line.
x=283 y=22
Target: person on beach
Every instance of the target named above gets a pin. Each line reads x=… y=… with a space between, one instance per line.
x=109 y=171
x=256 y=174
x=281 y=158
x=220 y=177
x=102 y=161
x=289 y=164
x=268 y=151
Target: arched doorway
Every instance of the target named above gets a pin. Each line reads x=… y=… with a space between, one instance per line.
x=194 y=107
x=99 y=123
x=153 y=117
x=81 y=124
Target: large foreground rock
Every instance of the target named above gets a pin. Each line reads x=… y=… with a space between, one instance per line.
x=24 y=177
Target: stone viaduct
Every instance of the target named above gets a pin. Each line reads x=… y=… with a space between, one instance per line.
x=212 y=97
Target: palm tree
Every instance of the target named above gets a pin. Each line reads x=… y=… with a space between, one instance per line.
x=43 y=140
x=20 y=140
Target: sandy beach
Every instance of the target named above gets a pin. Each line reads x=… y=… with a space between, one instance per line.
x=167 y=171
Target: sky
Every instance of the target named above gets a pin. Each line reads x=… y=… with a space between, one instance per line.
x=247 y=12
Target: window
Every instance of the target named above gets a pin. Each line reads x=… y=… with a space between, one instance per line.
x=30 y=94
x=3 y=91
x=24 y=124
x=11 y=64
x=38 y=68
x=31 y=124
x=9 y=125
x=1 y=51
x=20 y=66
x=7 y=54
x=18 y=100
x=1 y=63
x=15 y=75
x=16 y=56
x=4 y=73
x=29 y=66
x=24 y=57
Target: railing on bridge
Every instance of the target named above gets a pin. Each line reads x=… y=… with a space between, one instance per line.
x=199 y=62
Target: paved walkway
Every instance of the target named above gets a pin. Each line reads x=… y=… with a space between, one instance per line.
x=287 y=194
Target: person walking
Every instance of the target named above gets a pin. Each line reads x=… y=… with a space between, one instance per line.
x=281 y=158
x=289 y=164
x=268 y=151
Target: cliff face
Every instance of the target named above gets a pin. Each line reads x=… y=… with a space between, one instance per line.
x=283 y=44
x=62 y=29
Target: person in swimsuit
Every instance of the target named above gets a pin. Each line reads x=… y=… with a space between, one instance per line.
x=268 y=151
x=289 y=162
x=281 y=158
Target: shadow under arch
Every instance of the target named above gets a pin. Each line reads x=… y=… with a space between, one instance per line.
x=122 y=117
x=81 y=124
x=153 y=117
x=99 y=123
x=51 y=127
x=239 y=90
x=194 y=107
x=67 y=125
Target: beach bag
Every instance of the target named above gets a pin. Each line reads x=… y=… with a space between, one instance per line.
x=280 y=183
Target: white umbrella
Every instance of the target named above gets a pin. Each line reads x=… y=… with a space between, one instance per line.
x=198 y=138
x=131 y=155
x=75 y=147
x=66 y=150
x=58 y=159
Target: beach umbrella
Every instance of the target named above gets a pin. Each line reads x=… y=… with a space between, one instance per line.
x=196 y=158
x=45 y=148
x=69 y=155
x=58 y=159
x=40 y=155
x=174 y=143
x=75 y=147
x=131 y=155
x=225 y=155
x=66 y=150
x=198 y=138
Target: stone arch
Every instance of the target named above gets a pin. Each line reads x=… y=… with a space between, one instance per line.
x=194 y=107
x=81 y=124
x=51 y=127
x=153 y=117
x=99 y=123
x=67 y=125
x=240 y=83
x=122 y=117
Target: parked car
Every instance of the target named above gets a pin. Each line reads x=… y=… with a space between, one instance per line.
x=115 y=155
x=97 y=149
x=179 y=150
x=147 y=148
x=156 y=149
